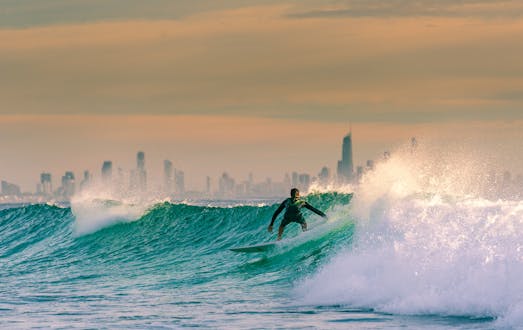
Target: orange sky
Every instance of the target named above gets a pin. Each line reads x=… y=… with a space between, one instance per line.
x=210 y=145
x=220 y=85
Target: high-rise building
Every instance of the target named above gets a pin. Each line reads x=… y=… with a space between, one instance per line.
x=226 y=185
x=168 y=176
x=345 y=165
x=140 y=171
x=208 y=185
x=304 y=182
x=324 y=175
x=249 y=184
x=294 y=181
x=140 y=160
x=9 y=189
x=86 y=180
x=107 y=172
x=68 y=184
x=179 y=181
x=45 y=183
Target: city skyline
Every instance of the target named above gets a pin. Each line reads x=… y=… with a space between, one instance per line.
x=133 y=182
x=297 y=156
x=174 y=179
x=210 y=158
x=261 y=86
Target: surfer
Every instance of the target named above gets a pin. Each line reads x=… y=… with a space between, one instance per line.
x=292 y=213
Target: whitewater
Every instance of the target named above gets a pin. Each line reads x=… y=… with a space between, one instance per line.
x=428 y=239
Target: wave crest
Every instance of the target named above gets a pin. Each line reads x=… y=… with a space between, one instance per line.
x=430 y=239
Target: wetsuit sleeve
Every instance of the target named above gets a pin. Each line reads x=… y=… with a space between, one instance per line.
x=315 y=210
x=280 y=208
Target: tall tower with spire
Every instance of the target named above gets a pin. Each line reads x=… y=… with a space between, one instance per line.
x=345 y=165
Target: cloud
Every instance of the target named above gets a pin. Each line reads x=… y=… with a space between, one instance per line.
x=410 y=8
x=31 y=13
x=514 y=94
x=255 y=62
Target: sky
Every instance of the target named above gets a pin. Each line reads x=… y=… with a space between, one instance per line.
x=250 y=86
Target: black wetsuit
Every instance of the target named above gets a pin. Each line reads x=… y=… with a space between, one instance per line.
x=293 y=212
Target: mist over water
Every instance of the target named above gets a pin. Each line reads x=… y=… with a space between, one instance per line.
x=437 y=232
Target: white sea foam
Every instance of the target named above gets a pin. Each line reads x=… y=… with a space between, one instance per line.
x=96 y=208
x=430 y=239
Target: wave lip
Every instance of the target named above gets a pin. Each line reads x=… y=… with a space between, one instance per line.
x=94 y=214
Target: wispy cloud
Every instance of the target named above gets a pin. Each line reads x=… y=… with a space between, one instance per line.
x=255 y=61
x=30 y=13
x=410 y=8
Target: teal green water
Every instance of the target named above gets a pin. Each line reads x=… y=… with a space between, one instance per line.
x=171 y=268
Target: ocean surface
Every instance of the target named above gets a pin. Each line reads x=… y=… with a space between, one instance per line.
x=388 y=257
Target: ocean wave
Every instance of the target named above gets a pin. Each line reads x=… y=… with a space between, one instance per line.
x=429 y=239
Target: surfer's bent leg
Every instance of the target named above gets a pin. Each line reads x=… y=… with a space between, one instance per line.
x=284 y=223
x=280 y=231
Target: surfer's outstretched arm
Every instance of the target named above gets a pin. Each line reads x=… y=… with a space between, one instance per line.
x=315 y=210
x=275 y=215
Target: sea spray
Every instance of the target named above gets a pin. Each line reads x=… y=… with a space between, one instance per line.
x=434 y=235
x=95 y=208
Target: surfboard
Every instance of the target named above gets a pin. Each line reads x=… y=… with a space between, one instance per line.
x=264 y=247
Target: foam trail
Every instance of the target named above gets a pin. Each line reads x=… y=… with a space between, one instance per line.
x=429 y=241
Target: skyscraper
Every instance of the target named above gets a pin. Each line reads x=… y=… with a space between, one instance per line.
x=208 y=185
x=10 y=189
x=324 y=175
x=226 y=185
x=168 y=176
x=45 y=181
x=179 y=179
x=68 y=184
x=140 y=160
x=345 y=165
x=140 y=171
x=86 y=180
x=107 y=172
x=294 y=181
x=304 y=181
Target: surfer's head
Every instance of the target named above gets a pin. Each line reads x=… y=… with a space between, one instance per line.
x=295 y=193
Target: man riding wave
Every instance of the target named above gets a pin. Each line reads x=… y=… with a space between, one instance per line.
x=293 y=206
